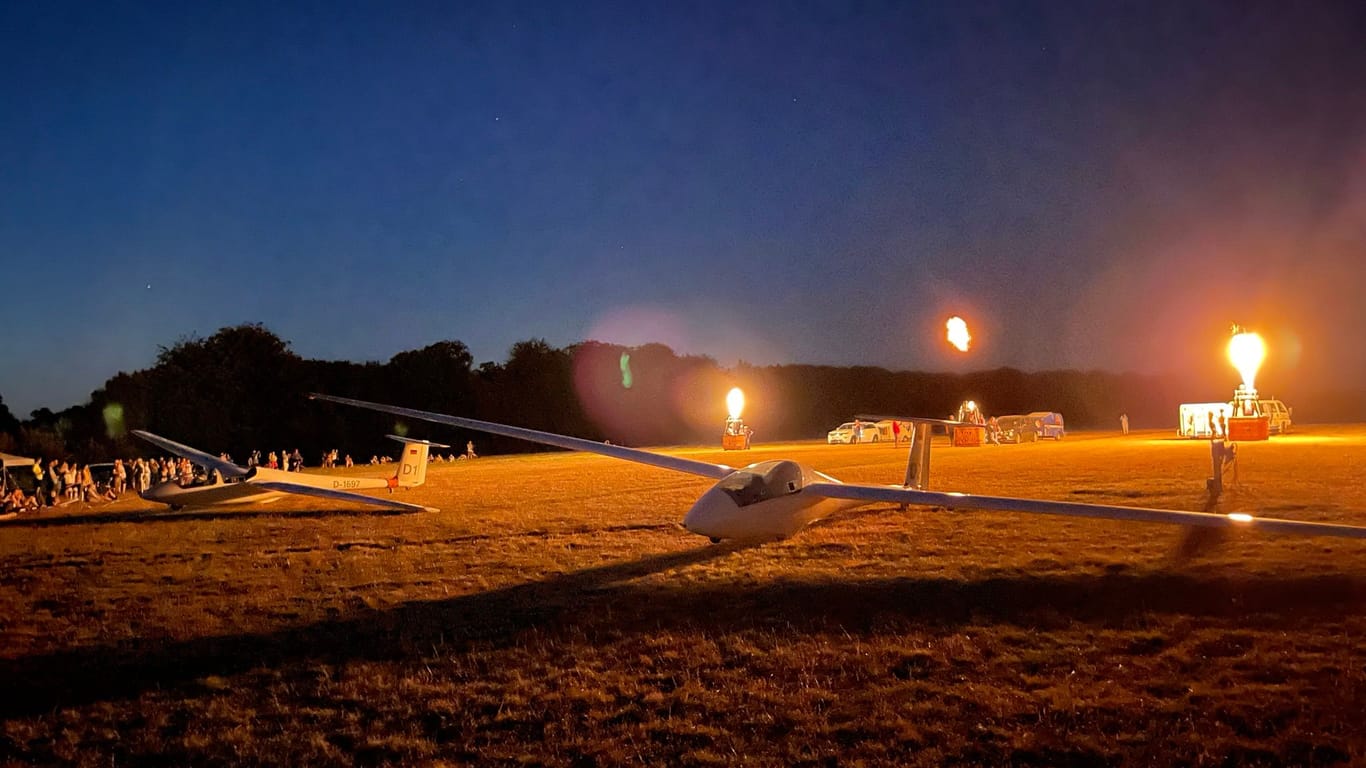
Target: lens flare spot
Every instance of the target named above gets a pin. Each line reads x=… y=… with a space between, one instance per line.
x=626 y=379
x=113 y=420
x=958 y=333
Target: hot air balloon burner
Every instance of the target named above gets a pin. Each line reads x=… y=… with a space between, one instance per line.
x=1247 y=421
x=737 y=433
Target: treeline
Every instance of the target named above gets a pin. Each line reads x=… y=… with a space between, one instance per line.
x=243 y=389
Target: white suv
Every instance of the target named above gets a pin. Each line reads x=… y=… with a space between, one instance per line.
x=1279 y=415
x=844 y=433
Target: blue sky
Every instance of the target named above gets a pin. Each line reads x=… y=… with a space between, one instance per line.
x=1092 y=185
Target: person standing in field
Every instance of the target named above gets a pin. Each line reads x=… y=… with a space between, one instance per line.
x=38 y=481
x=1124 y=423
x=71 y=481
x=896 y=433
x=993 y=431
x=119 y=481
x=54 y=484
x=87 y=481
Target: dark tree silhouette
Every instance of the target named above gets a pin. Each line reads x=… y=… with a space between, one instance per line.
x=9 y=425
x=239 y=388
x=534 y=388
x=437 y=377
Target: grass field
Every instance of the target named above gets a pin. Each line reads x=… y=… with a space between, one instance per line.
x=554 y=613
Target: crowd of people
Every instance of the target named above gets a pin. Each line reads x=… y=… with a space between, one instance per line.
x=289 y=461
x=59 y=483
x=468 y=454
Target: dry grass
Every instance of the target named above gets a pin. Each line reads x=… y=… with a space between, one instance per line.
x=553 y=613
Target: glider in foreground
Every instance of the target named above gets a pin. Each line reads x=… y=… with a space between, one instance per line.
x=775 y=499
x=229 y=483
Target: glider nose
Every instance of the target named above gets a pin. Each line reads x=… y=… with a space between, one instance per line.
x=712 y=516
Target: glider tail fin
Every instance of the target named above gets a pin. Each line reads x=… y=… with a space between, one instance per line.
x=918 y=463
x=412 y=468
x=918 y=438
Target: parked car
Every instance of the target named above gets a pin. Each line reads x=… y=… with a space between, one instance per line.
x=844 y=433
x=1048 y=424
x=1031 y=427
x=1279 y=414
x=1016 y=429
x=103 y=475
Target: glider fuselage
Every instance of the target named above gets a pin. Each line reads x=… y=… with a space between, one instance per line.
x=763 y=501
x=246 y=490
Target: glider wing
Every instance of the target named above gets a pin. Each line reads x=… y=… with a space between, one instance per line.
x=675 y=463
x=209 y=461
x=900 y=495
x=328 y=493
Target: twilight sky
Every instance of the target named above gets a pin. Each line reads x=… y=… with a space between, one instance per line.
x=1091 y=185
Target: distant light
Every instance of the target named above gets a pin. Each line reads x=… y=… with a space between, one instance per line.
x=735 y=402
x=1246 y=351
x=1240 y=517
x=958 y=333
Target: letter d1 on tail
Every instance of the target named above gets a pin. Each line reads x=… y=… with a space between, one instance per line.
x=412 y=468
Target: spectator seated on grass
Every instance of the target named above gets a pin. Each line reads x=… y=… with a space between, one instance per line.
x=17 y=501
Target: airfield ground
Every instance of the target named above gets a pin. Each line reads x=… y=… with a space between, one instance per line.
x=554 y=613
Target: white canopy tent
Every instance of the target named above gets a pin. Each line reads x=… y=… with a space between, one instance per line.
x=15 y=461
x=10 y=460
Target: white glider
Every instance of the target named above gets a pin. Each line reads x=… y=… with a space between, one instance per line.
x=229 y=483
x=775 y=499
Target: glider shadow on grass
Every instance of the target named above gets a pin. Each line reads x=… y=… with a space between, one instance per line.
x=607 y=599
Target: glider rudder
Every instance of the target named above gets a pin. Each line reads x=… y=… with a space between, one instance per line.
x=412 y=468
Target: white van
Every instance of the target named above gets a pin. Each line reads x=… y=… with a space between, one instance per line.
x=1279 y=415
x=1206 y=420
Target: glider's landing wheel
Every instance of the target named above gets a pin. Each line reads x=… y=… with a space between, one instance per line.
x=177 y=507
x=714 y=539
